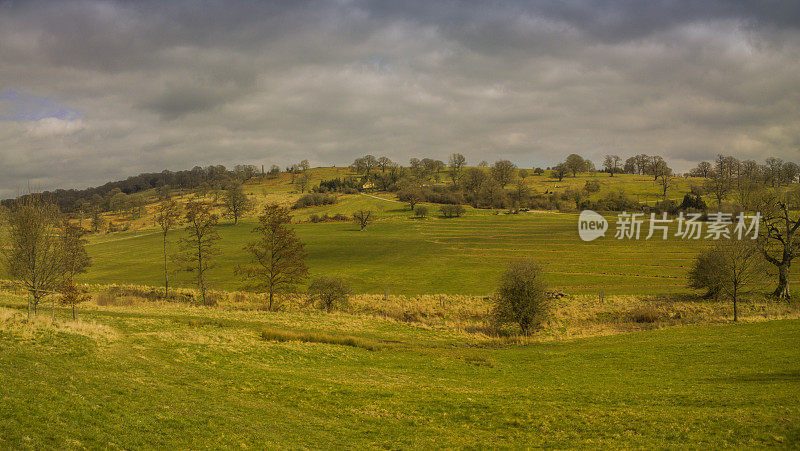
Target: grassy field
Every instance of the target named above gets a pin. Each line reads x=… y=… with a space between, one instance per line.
x=183 y=377
x=414 y=256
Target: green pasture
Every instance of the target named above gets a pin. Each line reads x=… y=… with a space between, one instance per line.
x=178 y=378
x=407 y=255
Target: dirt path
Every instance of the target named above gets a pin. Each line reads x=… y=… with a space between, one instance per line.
x=381 y=198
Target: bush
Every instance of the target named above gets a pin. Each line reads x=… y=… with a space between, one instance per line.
x=521 y=298
x=452 y=211
x=313 y=200
x=693 y=202
x=591 y=186
x=421 y=211
x=647 y=315
x=348 y=185
x=329 y=293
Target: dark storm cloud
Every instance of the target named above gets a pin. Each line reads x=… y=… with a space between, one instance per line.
x=142 y=86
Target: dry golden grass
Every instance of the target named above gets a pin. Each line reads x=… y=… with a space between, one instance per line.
x=572 y=316
x=18 y=323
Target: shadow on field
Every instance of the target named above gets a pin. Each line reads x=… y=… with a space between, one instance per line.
x=778 y=376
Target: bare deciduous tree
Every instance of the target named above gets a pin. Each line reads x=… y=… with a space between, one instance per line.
x=277 y=255
x=503 y=171
x=729 y=268
x=237 y=203
x=456 y=165
x=42 y=249
x=363 y=218
x=329 y=293
x=199 y=246
x=167 y=217
x=778 y=238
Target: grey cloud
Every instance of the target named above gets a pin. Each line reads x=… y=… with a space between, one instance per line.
x=176 y=84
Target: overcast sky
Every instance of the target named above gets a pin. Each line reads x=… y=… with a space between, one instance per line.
x=97 y=91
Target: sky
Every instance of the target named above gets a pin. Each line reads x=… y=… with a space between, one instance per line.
x=93 y=91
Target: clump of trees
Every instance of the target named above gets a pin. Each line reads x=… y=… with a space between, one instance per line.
x=521 y=297
x=41 y=250
x=314 y=200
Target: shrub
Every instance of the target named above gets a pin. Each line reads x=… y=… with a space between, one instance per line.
x=421 y=211
x=521 y=298
x=313 y=200
x=329 y=293
x=452 y=211
x=644 y=315
x=591 y=186
x=693 y=202
x=348 y=185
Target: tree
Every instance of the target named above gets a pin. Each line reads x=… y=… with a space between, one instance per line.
x=503 y=171
x=199 y=246
x=591 y=186
x=72 y=295
x=611 y=164
x=664 y=181
x=456 y=165
x=719 y=185
x=452 y=211
x=658 y=168
x=383 y=163
x=575 y=195
x=421 y=211
x=411 y=195
x=778 y=240
x=703 y=274
x=303 y=181
x=363 y=218
x=729 y=268
x=236 y=201
x=559 y=171
x=521 y=298
x=73 y=245
x=329 y=293
x=277 y=255
x=97 y=219
x=41 y=249
x=703 y=169
x=575 y=164
x=167 y=215
x=472 y=180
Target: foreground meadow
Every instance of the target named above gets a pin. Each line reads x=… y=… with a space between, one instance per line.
x=166 y=376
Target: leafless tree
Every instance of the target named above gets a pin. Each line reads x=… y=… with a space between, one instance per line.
x=277 y=255
x=167 y=216
x=456 y=165
x=41 y=250
x=503 y=171
x=237 y=203
x=199 y=246
x=778 y=238
x=363 y=218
